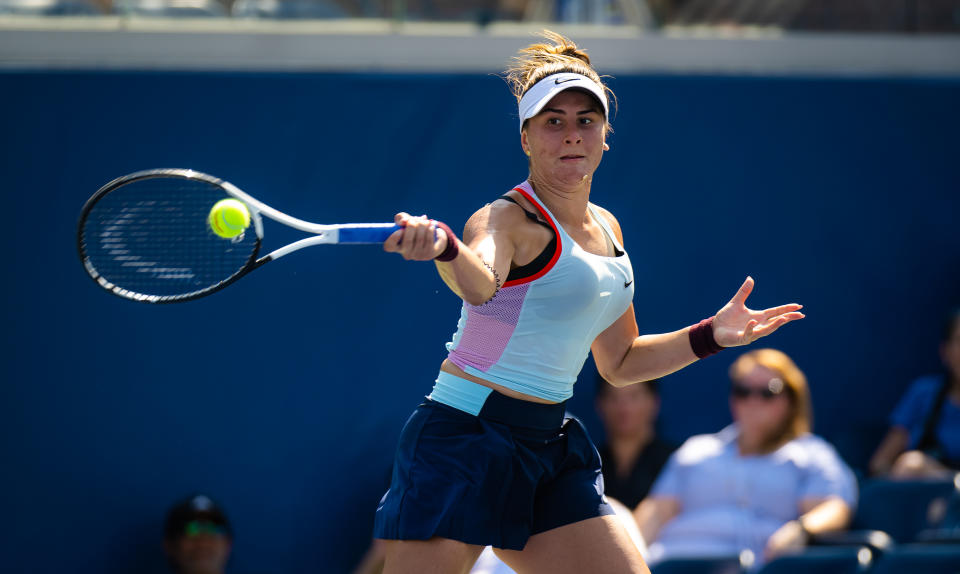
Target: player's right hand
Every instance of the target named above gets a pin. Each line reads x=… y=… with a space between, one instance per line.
x=418 y=239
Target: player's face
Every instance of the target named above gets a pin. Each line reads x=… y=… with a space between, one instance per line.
x=760 y=404
x=566 y=139
x=950 y=352
x=627 y=411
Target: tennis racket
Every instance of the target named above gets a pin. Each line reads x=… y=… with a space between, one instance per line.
x=145 y=236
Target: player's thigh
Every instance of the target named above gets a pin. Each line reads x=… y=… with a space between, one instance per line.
x=598 y=545
x=434 y=556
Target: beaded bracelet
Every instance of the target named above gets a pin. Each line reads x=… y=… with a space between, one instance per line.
x=496 y=280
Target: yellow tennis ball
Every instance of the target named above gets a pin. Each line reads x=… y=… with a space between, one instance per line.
x=229 y=218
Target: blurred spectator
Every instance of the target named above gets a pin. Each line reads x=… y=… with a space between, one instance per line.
x=197 y=537
x=479 y=11
x=633 y=454
x=924 y=436
x=49 y=8
x=763 y=484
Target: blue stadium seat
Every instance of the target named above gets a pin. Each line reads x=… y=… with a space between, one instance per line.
x=703 y=565
x=287 y=9
x=876 y=540
x=899 y=508
x=939 y=536
x=49 y=7
x=825 y=560
x=920 y=558
x=170 y=8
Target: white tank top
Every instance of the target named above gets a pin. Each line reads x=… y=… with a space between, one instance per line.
x=534 y=335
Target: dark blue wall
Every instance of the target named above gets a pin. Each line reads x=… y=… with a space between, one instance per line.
x=840 y=194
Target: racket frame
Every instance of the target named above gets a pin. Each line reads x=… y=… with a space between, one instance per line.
x=354 y=233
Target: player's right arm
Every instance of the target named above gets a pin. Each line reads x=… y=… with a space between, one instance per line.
x=488 y=245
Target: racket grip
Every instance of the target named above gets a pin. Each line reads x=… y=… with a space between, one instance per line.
x=369 y=233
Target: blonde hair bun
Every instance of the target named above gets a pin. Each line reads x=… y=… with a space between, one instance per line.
x=537 y=61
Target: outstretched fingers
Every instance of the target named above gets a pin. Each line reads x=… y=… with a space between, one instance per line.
x=776 y=323
x=781 y=310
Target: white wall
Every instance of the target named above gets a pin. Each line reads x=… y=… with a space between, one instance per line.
x=377 y=45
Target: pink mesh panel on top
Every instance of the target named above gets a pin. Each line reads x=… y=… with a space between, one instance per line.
x=488 y=329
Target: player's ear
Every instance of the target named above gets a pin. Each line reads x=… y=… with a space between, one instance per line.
x=606 y=146
x=524 y=142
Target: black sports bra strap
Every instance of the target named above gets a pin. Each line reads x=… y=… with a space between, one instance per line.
x=530 y=215
x=540 y=261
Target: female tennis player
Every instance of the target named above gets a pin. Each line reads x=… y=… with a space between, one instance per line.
x=489 y=458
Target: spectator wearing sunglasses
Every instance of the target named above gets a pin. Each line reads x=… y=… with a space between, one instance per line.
x=197 y=537
x=763 y=484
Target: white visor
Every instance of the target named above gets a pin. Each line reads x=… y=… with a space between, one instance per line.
x=543 y=91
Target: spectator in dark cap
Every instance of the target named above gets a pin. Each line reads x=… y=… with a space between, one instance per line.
x=197 y=537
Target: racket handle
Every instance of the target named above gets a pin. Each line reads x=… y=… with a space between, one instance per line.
x=367 y=233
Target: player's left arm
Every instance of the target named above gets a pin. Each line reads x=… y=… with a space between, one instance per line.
x=623 y=356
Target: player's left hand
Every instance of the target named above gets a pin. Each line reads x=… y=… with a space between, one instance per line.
x=736 y=325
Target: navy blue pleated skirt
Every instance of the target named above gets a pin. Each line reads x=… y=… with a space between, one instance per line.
x=516 y=469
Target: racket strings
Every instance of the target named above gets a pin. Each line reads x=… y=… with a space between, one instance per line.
x=150 y=238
